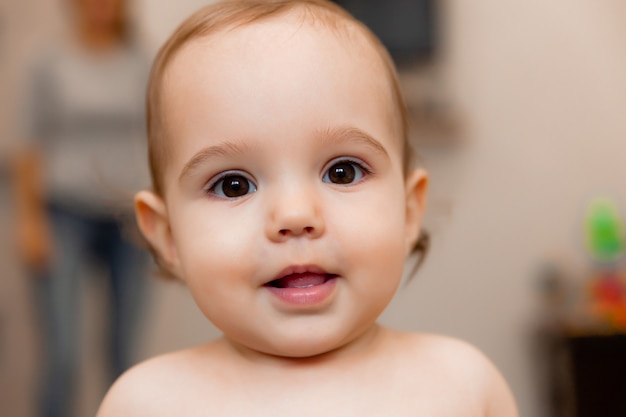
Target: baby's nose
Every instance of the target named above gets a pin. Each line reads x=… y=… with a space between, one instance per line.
x=296 y=215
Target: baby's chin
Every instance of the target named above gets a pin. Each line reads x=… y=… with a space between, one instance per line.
x=295 y=351
x=301 y=349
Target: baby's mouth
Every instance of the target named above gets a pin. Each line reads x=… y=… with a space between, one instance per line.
x=301 y=280
x=302 y=287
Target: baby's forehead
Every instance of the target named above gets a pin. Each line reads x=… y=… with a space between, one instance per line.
x=283 y=41
x=292 y=29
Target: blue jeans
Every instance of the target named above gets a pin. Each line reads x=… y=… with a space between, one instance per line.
x=79 y=239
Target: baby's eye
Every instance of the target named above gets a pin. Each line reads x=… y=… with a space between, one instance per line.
x=232 y=186
x=345 y=172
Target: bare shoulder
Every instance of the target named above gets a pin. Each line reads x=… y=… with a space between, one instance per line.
x=155 y=387
x=458 y=365
x=446 y=351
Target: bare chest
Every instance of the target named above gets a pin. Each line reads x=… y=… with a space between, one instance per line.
x=343 y=399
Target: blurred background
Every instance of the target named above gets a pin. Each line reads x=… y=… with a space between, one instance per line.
x=518 y=113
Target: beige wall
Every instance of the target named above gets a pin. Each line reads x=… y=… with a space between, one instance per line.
x=540 y=88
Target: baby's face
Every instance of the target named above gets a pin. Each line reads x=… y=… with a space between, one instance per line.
x=285 y=191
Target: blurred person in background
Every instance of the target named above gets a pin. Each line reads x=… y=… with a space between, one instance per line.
x=81 y=162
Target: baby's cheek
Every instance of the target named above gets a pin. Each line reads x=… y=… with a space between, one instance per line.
x=374 y=237
x=381 y=247
x=217 y=265
x=215 y=251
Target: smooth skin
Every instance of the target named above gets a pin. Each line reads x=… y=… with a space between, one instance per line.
x=261 y=136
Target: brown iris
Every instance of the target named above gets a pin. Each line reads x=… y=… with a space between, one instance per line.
x=235 y=186
x=342 y=173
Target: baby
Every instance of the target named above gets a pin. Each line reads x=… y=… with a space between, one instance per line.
x=285 y=199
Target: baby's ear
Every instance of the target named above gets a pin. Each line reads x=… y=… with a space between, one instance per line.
x=154 y=223
x=416 y=187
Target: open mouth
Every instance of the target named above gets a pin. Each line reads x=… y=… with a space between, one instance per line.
x=303 y=286
x=301 y=280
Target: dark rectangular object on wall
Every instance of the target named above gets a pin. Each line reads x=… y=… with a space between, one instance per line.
x=407 y=28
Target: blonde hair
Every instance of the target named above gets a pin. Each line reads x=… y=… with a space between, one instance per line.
x=232 y=14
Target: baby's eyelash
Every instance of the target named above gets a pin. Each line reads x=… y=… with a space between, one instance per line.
x=361 y=165
x=351 y=160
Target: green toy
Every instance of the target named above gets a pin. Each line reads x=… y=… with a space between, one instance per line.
x=604 y=227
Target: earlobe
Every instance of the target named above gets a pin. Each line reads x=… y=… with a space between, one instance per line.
x=154 y=223
x=416 y=188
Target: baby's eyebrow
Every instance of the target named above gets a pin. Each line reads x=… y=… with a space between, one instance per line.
x=353 y=135
x=214 y=151
x=328 y=136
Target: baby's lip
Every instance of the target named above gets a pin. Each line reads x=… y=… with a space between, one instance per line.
x=299 y=271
